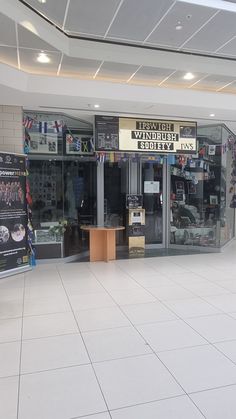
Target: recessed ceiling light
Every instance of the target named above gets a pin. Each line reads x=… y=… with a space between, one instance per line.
x=179 y=26
x=96 y=106
x=42 y=1
x=189 y=76
x=212 y=115
x=43 y=58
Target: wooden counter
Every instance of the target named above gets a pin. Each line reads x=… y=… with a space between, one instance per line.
x=102 y=242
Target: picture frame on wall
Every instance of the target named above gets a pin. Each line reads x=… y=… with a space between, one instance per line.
x=213 y=200
x=191 y=188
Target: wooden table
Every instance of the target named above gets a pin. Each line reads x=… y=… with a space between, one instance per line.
x=102 y=242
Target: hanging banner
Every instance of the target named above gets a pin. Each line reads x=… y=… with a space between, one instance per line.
x=13 y=214
x=145 y=135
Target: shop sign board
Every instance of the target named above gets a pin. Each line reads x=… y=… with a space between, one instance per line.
x=145 y=135
x=142 y=135
x=13 y=214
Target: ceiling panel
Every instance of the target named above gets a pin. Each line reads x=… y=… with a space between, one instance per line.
x=213 y=82
x=90 y=16
x=8 y=55
x=54 y=10
x=7 y=31
x=177 y=80
x=150 y=75
x=229 y=49
x=190 y=16
x=116 y=71
x=27 y=39
x=77 y=67
x=218 y=31
x=136 y=19
x=29 y=63
x=230 y=89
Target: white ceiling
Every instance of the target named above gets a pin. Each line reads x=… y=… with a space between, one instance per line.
x=149 y=23
x=206 y=46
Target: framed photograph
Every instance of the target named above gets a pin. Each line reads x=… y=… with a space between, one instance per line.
x=191 y=188
x=213 y=200
x=179 y=186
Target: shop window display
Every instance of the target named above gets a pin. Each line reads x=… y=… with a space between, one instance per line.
x=200 y=203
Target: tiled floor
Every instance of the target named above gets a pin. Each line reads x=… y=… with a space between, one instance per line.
x=130 y=339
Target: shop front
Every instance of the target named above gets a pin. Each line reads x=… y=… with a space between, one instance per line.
x=174 y=191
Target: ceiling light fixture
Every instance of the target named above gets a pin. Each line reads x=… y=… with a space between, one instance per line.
x=189 y=76
x=179 y=26
x=212 y=115
x=96 y=106
x=43 y=58
x=42 y=1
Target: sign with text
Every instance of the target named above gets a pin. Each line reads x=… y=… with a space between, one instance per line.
x=13 y=214
x=145 y=135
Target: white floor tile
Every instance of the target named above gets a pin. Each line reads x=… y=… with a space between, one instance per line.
x=98 y=416
x=199 y=368
x=164 y=293
x=11 y=309
x=53 y=352
x=192 y=307
x=10 y=330
x=90 y=301
x=226 y=302
x=153 y=281
x=60 y=394
x=228 y=348
x=136 y=296
x=9 y=359
x=174 y=408
x=215 y=328
x=82 y=286
x=109 y=344
x=101 y=318
x=49 y=325
x=8 y=397
x=228 y=284
x=205 y=288
x=45 y=305
x=119 y=283
x=175 y=334
x=217 y=404
x=130 y=381
x=148 y=313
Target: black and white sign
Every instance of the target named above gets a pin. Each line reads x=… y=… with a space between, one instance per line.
x=107 y=133
x=13 y=215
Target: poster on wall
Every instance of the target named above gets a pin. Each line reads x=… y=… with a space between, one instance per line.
x=43 y=143
x=106 y=133
x=13 y=214
x=78 y=144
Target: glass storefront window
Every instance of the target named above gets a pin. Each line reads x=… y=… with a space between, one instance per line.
x=200 y=196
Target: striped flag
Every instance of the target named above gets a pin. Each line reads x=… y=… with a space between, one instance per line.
x=43 y=127
x=28 y=122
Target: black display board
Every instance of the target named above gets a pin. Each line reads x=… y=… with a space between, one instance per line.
x=106 y=133
x=13 y=213
x=134 y=201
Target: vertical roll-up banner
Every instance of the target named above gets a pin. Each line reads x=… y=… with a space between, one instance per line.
x=13 y=214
